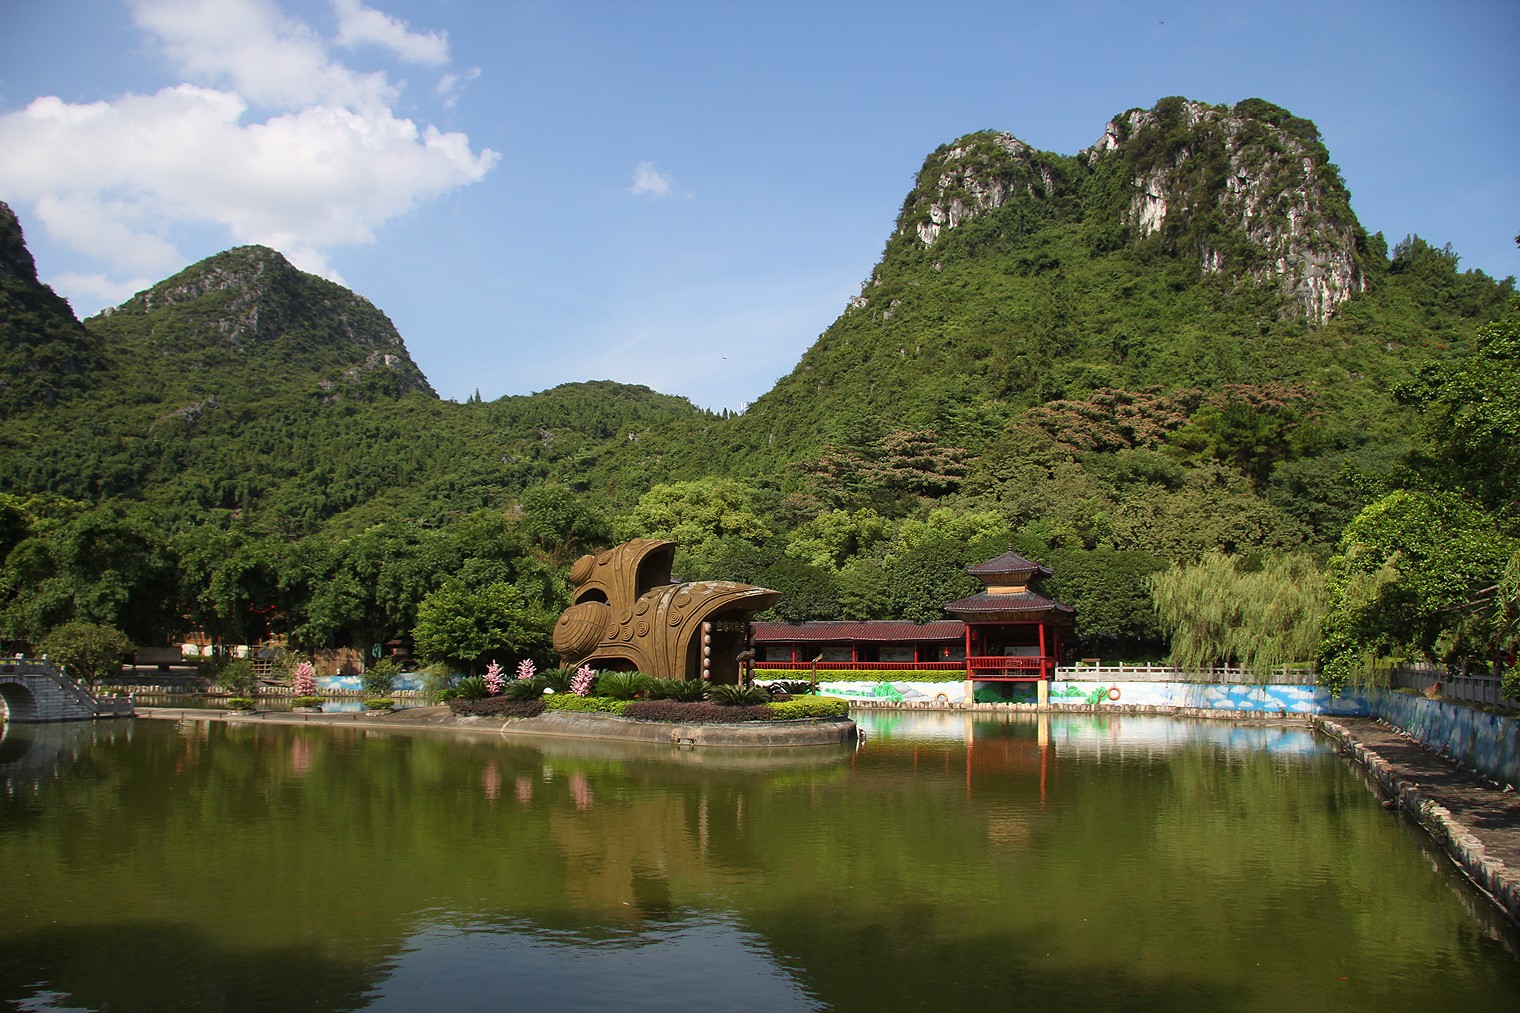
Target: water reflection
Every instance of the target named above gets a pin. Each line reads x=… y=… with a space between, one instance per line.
x=687 y=955
x=1069 y=862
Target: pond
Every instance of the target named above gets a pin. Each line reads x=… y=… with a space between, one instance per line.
x=1064 y=862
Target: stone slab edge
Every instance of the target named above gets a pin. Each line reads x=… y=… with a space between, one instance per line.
x=1492 y=876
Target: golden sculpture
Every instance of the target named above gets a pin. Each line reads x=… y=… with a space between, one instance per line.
x=625 y=612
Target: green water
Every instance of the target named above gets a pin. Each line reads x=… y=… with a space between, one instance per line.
x=1116 y=863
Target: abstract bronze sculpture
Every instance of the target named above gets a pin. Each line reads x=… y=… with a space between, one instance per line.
x=626 y=613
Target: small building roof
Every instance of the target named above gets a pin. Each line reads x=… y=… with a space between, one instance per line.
x=1021 y=605
x=1009 y=563
x=878 y=631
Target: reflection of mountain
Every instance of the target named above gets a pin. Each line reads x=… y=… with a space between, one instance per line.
x=353 y=865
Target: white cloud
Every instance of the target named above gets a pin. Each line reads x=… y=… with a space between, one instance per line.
x=449 y=85
x=360 y=25
x=651 y=182
x=97 y=289
x=251 y=47
x=327 y=166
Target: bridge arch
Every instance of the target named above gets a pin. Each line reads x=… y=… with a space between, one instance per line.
x=17 y=701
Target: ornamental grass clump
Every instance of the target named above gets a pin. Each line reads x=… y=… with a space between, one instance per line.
x=685 y=690
x=620 y=685
x=731 y=695
x=525 y=689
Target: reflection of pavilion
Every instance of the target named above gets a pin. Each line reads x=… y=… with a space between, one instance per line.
x=994 y=746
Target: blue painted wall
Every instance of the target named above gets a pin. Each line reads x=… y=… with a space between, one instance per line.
x=1486 y=742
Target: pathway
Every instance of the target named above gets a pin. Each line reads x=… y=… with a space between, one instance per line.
x=1476 y=820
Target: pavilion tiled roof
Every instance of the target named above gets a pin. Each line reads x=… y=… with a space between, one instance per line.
x=1024 y=603
x=877 y=631
x=1009 y=562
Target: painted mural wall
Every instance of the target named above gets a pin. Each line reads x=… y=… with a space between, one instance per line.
x=1487 y=743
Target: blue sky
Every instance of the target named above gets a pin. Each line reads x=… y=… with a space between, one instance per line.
x=678 y=194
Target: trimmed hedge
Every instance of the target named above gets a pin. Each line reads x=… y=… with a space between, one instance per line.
x=496 y=707
x=693 y=713
x=584 y=704
x=936 y=675
x=809 y=707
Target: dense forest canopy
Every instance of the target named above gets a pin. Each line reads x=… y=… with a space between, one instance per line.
x=1170 y=363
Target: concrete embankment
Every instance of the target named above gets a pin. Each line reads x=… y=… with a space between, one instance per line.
x=1476 y=820
x=554 y=724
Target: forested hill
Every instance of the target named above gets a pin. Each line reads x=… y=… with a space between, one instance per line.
x=1190 y=247
x=44 y=351
x=242 y=386
x=1175 y=342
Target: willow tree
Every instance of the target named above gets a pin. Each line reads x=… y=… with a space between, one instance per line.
x=1217 y=611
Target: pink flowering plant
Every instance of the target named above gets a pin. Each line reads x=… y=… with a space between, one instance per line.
x=304 y=682
x=526 y=670
x=494 y=679
x=583 y=681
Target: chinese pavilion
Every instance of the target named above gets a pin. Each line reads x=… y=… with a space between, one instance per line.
x=1012 y=631
x=1008 y=632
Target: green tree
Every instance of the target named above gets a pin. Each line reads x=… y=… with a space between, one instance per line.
x=562 y=523
x=1405 y=580
x=697 y=515
x=1470 y=414
x=465 y=625
x=1218 y=611
x=87 y=651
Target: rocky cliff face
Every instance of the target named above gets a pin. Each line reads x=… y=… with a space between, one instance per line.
x=1248 y=190
x=976 y=174
x=251 y=300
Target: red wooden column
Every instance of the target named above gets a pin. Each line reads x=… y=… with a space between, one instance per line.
x=1043 y=662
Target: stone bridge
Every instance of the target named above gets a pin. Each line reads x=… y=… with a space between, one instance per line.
x=33 y=691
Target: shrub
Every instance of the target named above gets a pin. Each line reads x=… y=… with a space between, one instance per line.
x=471 y=688
x=494 y=680
x=496 y=707
x=791 y=687
x=237 y=676
x=737 y=696
x=560 y=680
x=306 y=701
x=524 y=689
x=809 y=707
x=379 y=704
x=895 y=675
x=438 y=682
x=585 y=704
x=693 y=713
x=240 y=703
x=688 y=690
x=380 y=678
x=88 y=652
x=620 y=685
x=304 y=680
